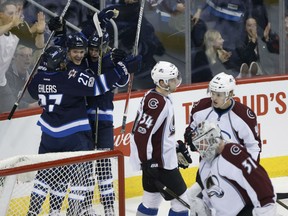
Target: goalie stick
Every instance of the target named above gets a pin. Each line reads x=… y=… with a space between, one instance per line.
x=34 y=69
x=135 y=52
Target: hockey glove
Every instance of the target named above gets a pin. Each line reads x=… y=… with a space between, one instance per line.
x=105 y=15
x=150 y=168
x=199 y=208
x=183 y=156
x=55 y=23
x=188 y=138
x=134 y=63
x=117 y=55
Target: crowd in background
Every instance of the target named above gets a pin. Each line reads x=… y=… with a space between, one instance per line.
x=241 y=38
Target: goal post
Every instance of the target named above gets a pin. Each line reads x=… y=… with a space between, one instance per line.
x=68 y=183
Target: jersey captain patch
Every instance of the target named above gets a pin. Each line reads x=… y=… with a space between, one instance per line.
x=72 y=73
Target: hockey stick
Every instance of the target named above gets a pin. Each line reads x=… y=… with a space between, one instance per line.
x=162 y=187
x=282 y=204
x=135 y=52
x=34 y=69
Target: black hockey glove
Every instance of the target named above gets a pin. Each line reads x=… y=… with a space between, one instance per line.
x=105 y=15
x=188 y=138
x=117 y=55
x=150 y=168
x=134 y=64
x=56 y=24
x=183 y=156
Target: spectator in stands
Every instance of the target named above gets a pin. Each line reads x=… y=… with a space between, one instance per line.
x=212 y=58
x=9 y=21
x=19 y=72
x=256 y=53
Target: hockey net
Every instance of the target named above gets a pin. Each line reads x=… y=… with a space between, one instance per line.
x=70 y=183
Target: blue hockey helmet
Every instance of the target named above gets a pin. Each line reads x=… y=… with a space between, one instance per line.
x=76 y=41
x=53 y=58
x=95 y=41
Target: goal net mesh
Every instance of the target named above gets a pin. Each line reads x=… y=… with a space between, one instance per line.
x=73 y=183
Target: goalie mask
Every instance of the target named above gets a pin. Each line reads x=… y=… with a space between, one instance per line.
x=54 y=58
x=165 y=71
x=206 y=138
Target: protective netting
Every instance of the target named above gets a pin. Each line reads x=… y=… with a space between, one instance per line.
x=81 y=185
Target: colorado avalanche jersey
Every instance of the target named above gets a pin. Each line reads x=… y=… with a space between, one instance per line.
x=238 y=123
x=61 y=95
x=233 y=180
x=153 y=134
x=105 y=101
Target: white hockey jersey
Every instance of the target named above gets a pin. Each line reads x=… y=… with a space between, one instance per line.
x=238 y=124
x=153 y=133
x=233 y=179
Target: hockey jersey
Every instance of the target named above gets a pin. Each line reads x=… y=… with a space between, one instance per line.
x=153 y=134
x=233 y=180
x=105 y=101
x=238 y=123
x=61 y=95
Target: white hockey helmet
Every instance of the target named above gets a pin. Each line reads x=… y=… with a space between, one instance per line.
x=222 y=82
x=206 y=138
x=165 y=71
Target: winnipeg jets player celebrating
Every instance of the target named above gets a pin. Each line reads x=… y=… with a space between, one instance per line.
x=231 y=177
x=153 y=144
x=238 y=122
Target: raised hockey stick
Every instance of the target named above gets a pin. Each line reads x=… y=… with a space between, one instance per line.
x=135 y=52
x=162 y=187
x=34 y=69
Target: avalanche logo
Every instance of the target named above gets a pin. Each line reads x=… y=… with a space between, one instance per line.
x=153 y=103
x=213 y=187
x=250 y=114
x=235 y=150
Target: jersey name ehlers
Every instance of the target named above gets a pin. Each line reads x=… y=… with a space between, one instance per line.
x=47 y=88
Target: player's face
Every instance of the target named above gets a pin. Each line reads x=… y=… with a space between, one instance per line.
x=174 y=83
x=76 y=55
x=218 y=99
x=94 y=53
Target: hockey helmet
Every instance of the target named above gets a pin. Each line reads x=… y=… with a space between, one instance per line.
x=95 y=40
x=53 y=57
x=76 y=41
x=222 y=82
x=165 y=71
x=206 y=138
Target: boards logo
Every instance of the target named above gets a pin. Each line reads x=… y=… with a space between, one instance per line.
x=122 y=141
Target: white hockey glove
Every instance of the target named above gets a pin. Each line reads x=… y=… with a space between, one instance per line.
x=199 y=208
x=268 y=210
x=183 y=156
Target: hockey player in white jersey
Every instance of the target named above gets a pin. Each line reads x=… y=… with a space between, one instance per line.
x=237 y=121
x=234 y=184
x=153 y=145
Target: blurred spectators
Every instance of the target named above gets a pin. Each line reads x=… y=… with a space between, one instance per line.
x=14 y=30
x=212 y=58
x=18 y=73
x=253 y=49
